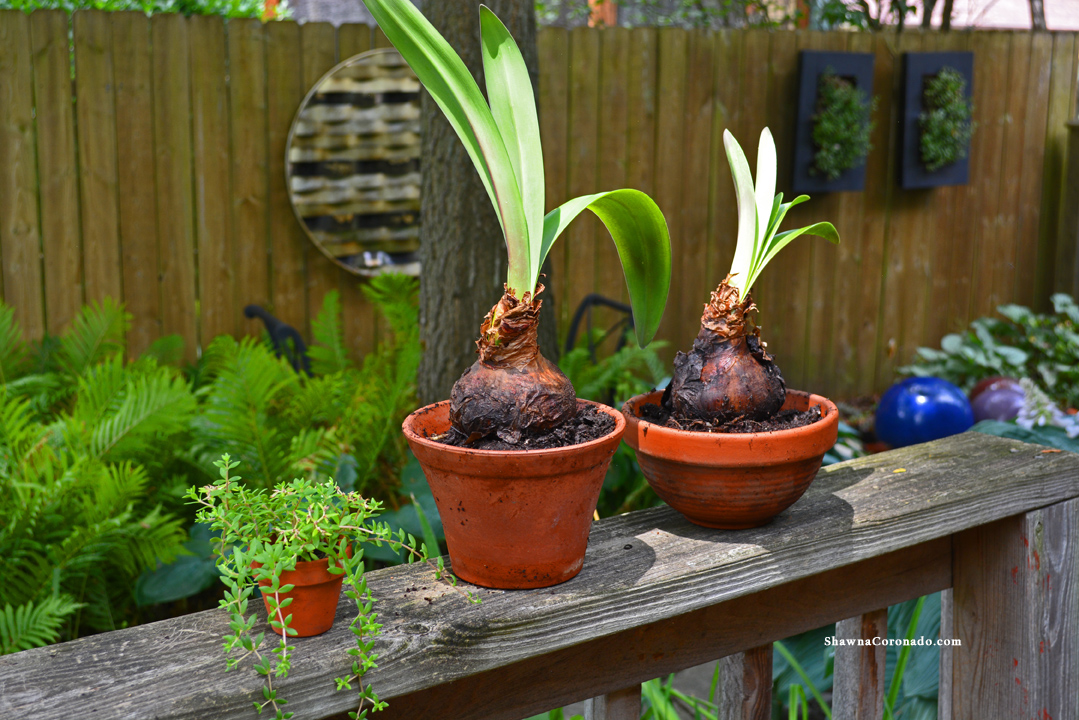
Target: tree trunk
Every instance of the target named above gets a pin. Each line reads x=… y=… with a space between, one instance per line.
x=1037 y=14
x=461 y=245
x=946 y=17
x=928 y=6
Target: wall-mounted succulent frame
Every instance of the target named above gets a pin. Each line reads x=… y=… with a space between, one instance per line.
x=919 y=72
x=854 y=73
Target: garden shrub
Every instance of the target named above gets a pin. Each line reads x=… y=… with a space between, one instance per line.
x=226 y=8
x=946 y=125
x=841 y=126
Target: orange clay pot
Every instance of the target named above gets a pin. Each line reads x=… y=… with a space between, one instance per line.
x=731 y=481
x=513 y=519
x=314 y=599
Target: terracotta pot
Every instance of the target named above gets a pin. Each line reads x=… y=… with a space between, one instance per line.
x=314 y=599
x=731 y=481
x=513 y=519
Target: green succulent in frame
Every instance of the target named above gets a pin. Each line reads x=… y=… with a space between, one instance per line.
x=841 y=126
x=946 y=124
x=511 y=386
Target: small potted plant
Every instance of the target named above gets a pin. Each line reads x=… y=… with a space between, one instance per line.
x=297 y=545
x=937 y=124
x=833 y=127
x=726 y=444
x=515 y=461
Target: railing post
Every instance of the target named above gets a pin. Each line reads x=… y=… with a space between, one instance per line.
x=1016 y=613
x=746 y=685
x=947 y=632
x=618 y=705
x=858 y=691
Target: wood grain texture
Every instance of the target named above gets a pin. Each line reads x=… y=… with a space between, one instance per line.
x=727 y=115
x=553 y=106
x=217 y=261
x=624 y=704
x=947 y=632
x=288 y=243
x=172 y=163
x=858 y=689
x=57 y=175
x=249 y=178
x=136 y=180
x=1016 y=613
x=20 y=238
x=656 y=594
x=746 y=685
x=95 y=105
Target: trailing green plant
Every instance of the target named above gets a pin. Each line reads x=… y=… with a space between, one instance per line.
x=502 y=138
x=264 y=534
x=1022 y=343
x=946 y=125
x=841 y=126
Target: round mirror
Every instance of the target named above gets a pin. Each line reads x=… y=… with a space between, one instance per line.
x=353 y=164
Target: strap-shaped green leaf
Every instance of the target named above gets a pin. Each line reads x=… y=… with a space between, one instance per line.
x=747 y=211
x=766 y=181
x=640 y=234
x=513 y=105
x=822 y=229
x=452 y=87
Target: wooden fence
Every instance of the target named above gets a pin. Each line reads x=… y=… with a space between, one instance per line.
x=162 y=184
x=992 y=522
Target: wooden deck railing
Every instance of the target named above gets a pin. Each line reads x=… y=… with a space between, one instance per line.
x=995 y=520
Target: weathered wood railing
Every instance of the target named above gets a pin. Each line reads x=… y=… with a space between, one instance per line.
x=993 y=519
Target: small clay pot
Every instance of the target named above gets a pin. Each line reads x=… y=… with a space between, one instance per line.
x=513 y=519
x=726 y=480
x=314 y=599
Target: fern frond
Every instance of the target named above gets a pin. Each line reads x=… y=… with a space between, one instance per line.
x=327 y=353
x=29 y=626
x=12 y=347
x=96 y=333
x=154 y=407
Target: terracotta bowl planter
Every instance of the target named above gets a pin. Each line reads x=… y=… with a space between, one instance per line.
x=513 y=520
x=731 y=481
x=314 y=599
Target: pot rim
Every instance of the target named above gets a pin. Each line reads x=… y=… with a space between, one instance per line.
x=413 y=436
x=831 y=411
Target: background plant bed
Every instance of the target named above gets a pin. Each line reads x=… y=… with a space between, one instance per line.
x=856 y=67
x=917 y=68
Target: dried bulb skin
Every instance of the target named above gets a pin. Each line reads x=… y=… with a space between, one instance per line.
x=511 y=387
x=728 y=374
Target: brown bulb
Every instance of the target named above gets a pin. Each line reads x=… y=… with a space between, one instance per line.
x=728 y=374
x=511 y=386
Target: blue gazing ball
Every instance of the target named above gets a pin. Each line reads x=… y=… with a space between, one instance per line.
x=920 y=409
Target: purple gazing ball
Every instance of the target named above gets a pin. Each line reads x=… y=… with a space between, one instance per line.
x=998 y=403
x=920 y=409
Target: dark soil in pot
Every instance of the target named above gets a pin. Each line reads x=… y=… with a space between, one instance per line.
x=783 y=420
x=589 y=424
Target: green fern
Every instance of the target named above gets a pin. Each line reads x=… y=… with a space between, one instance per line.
x=29 y=626
x=327 y=352
x=12 y=347
x=96 y=333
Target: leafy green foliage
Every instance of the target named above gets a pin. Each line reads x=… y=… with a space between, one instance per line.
x=1043 y=347
x=226 y=8
x=262 y=535
x=503 y=142
x=946 y=124
x=841 y=126
x=759 y=215
x=712 y=14
x=29 y=626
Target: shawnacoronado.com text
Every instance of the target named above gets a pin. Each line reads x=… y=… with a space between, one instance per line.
x=889 y=642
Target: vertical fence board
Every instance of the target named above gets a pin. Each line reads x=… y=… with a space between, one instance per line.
x=670 y=140
x=691 y=284
x=249 y=186
x=358 y=315
x=726 y=115
x=583 y=168
x=136 y=182
x=96 y=116
x=986 y=167
x=1030 y=186
x=319 y=43
x=210 y=145
x=172 y=152
x=284 y=91
x=554 y=57
x=753 y=102
x=57 y=177
x=20 y=241
x=1066 y=271
x=1060 y=110
x=613 y=131
x=839 y=357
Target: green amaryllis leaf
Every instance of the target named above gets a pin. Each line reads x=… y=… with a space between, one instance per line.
x=747 y=211
x=822 y=230
x=513 y=104
x=766 y=180
x=640 y=234
x=452 y=87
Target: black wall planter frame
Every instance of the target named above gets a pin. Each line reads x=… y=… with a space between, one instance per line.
x=857 y=67
x=917 y=68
